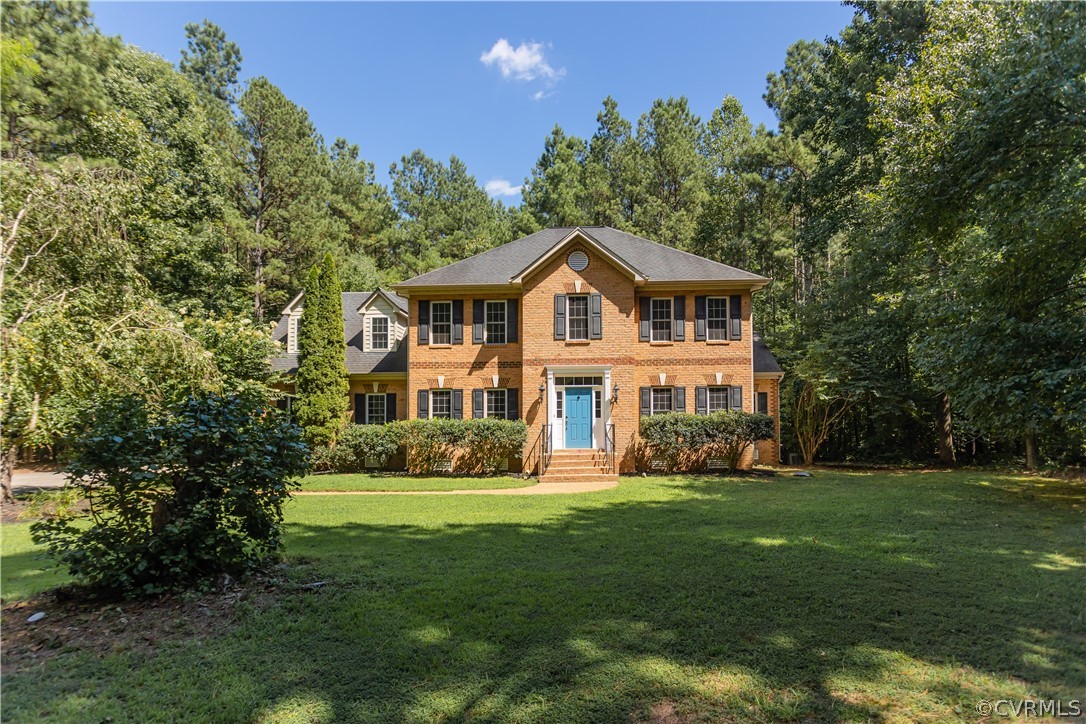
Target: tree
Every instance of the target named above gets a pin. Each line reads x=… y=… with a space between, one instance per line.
x=322 y=383
x=605 y=167
x=211 y=61
x=280 y=185
x=177 y=497
x=556 y=192
x=363 y=216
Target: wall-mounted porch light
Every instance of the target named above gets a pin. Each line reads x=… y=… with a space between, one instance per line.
x=614 y=394
x=542 y=391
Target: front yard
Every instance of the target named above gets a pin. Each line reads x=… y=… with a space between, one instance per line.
x=843 y=596
x=385 y=482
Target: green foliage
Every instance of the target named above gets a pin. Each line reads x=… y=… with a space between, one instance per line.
x=211 y=61
x=490 y=442
x=480 y=445
x=322 y=384
x=684 y=440
x=357 y=444
x=431 y=443
x=177 y=496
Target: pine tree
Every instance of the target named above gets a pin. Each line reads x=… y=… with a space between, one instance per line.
x=322 y=383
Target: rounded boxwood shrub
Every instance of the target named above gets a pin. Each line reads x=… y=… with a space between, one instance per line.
x=684 y=440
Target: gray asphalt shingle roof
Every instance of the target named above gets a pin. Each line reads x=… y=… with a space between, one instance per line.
x=358 y=362
x=764 y=361
x=656 y=262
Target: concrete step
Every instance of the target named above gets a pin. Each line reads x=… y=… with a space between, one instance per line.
x=577 y=461
x=563 y=477
x=576 y=470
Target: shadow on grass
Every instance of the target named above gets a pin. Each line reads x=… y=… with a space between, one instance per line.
x=737 y=599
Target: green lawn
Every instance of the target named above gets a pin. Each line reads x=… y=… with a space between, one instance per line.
x=379 y=482
x=843 y=596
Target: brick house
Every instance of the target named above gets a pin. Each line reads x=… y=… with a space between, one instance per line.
x=579 y=331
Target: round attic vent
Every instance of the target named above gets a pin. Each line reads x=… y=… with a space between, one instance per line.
x=578 y=261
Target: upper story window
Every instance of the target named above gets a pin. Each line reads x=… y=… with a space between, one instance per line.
x=716 y=312
x=495 y=321
x=663 y=400
x=719 y=399
x=441 y=403
x=440 y=323
x=577 y=317
x=293 y=325
x=379 y=339
x=661 y=319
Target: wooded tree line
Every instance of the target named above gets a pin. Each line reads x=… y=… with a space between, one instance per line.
x=919 y=209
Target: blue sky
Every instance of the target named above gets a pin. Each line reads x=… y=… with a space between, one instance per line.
x=395 y=77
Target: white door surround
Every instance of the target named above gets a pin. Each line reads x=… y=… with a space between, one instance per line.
x=599 y=426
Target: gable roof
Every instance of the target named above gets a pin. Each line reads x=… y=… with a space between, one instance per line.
x=358 y=362
x=651 y=261
x=764 y=361
x=393 y=298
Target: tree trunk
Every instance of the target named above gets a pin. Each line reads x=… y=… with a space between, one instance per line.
x=1031 y=449
x=7 y=467
x=946 y=433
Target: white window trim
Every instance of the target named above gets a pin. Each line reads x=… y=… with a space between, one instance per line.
x=587 y=318
x=670 y=319
x=652 y=399
x=486 y=320
x=432 y=335
x=727 y=398
x=430 y=407
x=727 y=323
x=367 y=412
x=388 y=333
x=486 y=400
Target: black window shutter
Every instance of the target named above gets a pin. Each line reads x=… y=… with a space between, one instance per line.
x=424 y=322
x=559 y=316
x=478 y=313
x=424 y=405
x=701 y=400
x=512 y=320
x=646 y=401
x=680 y=319
x=737 y=398
x=735 y=309
x=477 y=409
x=700 y=315
x=512 y=404
x=680 y=399
x=390 y=406
x=458 y=321
x=457 y=404
x=359 y=409
x=596 y=305
x=646 y=319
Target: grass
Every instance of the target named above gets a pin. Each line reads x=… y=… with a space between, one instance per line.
x=385 y=483
x=845 y=596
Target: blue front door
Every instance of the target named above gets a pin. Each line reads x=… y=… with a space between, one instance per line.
x=578 y=417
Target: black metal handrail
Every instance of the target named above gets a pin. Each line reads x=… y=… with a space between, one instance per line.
x=609 y=447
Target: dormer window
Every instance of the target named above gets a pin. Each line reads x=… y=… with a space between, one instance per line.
x=379 y=340
x=292 y=332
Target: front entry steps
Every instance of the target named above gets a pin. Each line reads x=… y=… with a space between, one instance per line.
x=578 y=466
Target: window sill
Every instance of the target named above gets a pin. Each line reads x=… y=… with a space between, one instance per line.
x=496 y=344
x=437 y=346
x=662 y=343
x=719 y=341
x=578 y=342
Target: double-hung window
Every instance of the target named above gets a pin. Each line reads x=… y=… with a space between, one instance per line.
x=441 y=323
x=716 y=312
x=495 y=321
x=577 y=315
x=719 y=400
x=441 y=403
x=661 y=319
x=496 y=403
x=375 y=409
x=379 y=333
x=763 y=403
x=663 y=400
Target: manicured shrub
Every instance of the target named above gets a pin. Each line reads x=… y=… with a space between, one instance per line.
x=430 y=443
x=684 y=440
x=322 y=384
x=490 y=442
x=176 y=497
x=478 y=445
x=356 y=445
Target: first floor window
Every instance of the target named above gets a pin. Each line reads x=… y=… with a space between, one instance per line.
x=379 y=333
x=719 y=399
x=375 y=409
x=661 y=320
x=662 y=400
x=716 y=312
x=763 y=403
x=286 y=404
x=495 y=321
x=559 y=400
x=441 y=403
x=496 y=403
x=577 y=316
x=441 y=323
x=598 y=395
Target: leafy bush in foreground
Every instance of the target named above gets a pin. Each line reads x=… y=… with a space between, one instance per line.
x=176 y=497
x=684 y=439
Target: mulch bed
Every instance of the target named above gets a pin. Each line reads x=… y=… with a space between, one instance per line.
x=75 y=622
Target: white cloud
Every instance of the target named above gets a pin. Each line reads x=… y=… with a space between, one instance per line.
x=540 y=95
x=524 y=62
x=501 y=187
